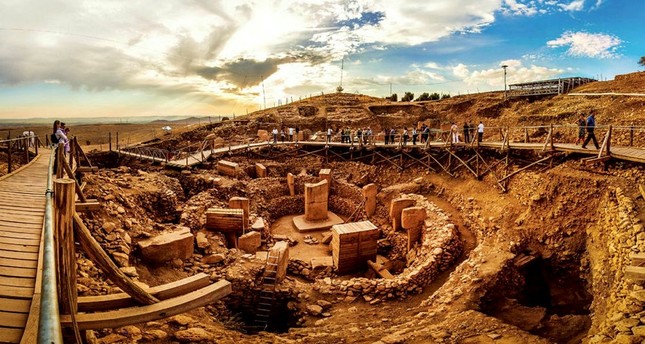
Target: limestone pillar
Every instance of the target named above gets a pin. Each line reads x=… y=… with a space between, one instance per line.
x=316 y=196
x=279 y=254
x=369 y=193
x=260 y=170
x=325 y=174
x=241 y=203
x=292 y=184
x=412 y=220
x=396 y=207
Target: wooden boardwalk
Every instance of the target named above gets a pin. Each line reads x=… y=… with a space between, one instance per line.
x=633 y=154
x=22 y=211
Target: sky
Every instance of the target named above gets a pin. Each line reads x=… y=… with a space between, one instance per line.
x=110 y=58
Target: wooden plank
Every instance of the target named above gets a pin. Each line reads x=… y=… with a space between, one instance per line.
x=17 y=282
x=163 y=309
x=17 y=272
x=31 y=328
x=10 y=335
x=18 y=255
x=18 y=263
x=162 y=292
x=638 y=259
x=18 y=248
x=88 y=169
x=10 y=319
x=89 y=205
x=16 y=292
x=22 y=241
x=19 y=235
x=14 y=305
x=636 y=273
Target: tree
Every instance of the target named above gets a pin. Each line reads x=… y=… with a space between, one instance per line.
x=434 y=96
x=394 y=97
x=407 y=97
x=642 y=61
x=445 y=96
x=422 y=97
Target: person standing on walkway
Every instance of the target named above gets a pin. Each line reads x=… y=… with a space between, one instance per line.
x=290 y=134
x=392 y=135
x=297 y=134
x=414 y=136
x=275 y=135
x=405 y=136
x=466 y=132
x=282 y=135
x=480 y=132
x=386 y=136
x=591 y=125
x=329 y=132
x=581 y=129
x=454 y=130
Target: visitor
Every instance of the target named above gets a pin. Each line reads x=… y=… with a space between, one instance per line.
x=282 y=135
x=386 y=136
x=480 y=132
x=414 y=136
x=67 y=148
x=359 y=135
x=290 y=134
x=581 y=129
x=53 y=138
x=367 y=136
x=275 y=135
x=471 y=128
x=425 y=133
x=405 y=136
x=591 y=125
x=454 y=130
x=466 y=133
x=61 y=138
x=392 y=135
x=297 y=134
x=329 y=132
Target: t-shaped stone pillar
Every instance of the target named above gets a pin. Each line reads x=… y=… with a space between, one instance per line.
x=241 y=203
x=325 y=174
x=412 y=220
x=369 y=192
x=396 y=207
x=316 y=200
x=291 y=183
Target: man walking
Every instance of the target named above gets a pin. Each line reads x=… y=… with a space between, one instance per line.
x=591 y=124
x=466 y=133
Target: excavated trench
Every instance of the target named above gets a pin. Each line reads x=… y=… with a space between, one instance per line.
x=543 y=297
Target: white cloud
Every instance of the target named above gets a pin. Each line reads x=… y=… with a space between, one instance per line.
x=575 y=5
x=583 y=44
x=516 y=73
x=517 y=8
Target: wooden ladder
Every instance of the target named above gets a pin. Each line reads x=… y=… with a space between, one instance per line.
x=266 y=299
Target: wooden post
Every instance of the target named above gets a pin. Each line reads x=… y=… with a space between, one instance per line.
x=110 y=141
x=551 y=137
x=60 y=160
x=103 y=261
x=117 y=140
x=26 y=140
x=64 y=243
x=9 y=153
x=526 y=135
x=36 y=144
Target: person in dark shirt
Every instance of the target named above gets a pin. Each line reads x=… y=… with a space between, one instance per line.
x=466 y=132
x=581 y=129
x=591 y=125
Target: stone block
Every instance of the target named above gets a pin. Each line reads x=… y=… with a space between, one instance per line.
x=167 y=246
x=321 y=262
x=258 y=225
x=241 y=203
x=396 y=208
x=291 y=183
x=227 y=168
x=316 y=201
x=325 y=174
x=413 y=220
x=263 y=135
x=201 y=240
x=249 y=242
x=260 y=170
x=369 y=193
x=213 y=258
x=281 y=251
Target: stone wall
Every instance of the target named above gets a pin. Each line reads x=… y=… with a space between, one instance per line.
x=618 y=306
x=440 y=247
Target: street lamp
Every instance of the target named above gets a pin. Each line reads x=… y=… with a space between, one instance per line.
x=505 y=94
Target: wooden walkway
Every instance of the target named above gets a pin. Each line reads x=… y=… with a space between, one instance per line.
x=22 y=212
x=621 y=153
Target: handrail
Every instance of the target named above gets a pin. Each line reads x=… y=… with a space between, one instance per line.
x=49 y=330
x=19 y=138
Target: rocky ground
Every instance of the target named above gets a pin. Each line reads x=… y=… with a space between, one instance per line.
x=541 y=263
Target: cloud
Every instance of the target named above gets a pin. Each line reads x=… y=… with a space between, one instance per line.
x=516 y=8
x=517 y=72
x=573 y=6
x=583 y=44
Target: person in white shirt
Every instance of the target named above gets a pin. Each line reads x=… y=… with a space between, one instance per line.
x=480 y=132
x=455 y=132
x=275 y=135
x=329 y=132
x=290 y=134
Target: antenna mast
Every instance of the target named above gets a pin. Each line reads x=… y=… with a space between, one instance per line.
x=342 y=65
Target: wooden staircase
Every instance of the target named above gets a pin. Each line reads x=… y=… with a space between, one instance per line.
x=266 y=298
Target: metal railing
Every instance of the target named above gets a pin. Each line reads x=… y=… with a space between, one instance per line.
x=49 y=329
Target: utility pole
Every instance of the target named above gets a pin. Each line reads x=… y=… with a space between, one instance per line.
x=505 y=94
x=263 y=94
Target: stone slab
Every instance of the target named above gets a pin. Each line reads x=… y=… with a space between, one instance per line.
x=291 y=183
x=241 y=203
x=316 y=200
x=249 y=242
x=260 y=170
x=321 y=262
x=396 y=208
x=227 y=168
x=369 y=193
x=281 y=251
x=304 y=226
x=167 y=246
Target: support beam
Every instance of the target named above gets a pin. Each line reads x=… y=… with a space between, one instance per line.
x=526 y=167
x=88 y=205
x=102 y=260
x=606 y=143
x=463 y=163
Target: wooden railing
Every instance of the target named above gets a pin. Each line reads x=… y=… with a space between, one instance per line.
x=21 y=148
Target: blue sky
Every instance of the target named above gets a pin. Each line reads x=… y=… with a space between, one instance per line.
x=95 y=58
